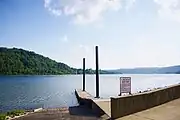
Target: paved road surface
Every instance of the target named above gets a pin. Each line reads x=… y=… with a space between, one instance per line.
x=73 y=113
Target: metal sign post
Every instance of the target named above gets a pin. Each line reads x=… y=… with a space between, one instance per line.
x=84 y=72
x=125 y=85
x=97 y=74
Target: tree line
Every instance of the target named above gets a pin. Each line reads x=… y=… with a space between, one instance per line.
x=15 y=61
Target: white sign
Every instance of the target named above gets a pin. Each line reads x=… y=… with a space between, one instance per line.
x=125 y=84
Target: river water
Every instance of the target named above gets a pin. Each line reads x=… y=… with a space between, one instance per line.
x=29 y=92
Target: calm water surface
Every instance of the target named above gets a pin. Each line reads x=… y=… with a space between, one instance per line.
x=29 y=92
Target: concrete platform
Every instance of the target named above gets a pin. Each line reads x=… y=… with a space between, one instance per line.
x=83 y=94
x=167 y=111
x=105 y=105
x=99 y=105
x=72 y=113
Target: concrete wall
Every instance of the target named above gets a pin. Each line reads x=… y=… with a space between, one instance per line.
x=130 y=104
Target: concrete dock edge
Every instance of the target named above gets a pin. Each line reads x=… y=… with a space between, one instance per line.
x=88 y=102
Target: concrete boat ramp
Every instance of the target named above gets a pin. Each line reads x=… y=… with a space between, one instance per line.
x=163 y=104
x=99 y=106
x=103 y=104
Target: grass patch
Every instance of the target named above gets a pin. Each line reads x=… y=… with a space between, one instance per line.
x=2 y=116
x=15 y=113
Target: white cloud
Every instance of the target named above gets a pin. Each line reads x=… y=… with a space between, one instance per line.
x=84 y=11
x=89 y=11
x=64 y=39
x=169 y=9
x=52 y=6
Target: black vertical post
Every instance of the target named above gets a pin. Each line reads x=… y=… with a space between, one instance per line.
x=97 y=74
x=83 y=74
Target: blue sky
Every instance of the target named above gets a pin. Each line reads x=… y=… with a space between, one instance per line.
x=129 y=33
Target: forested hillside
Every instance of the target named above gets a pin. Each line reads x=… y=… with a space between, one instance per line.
x=18 y=61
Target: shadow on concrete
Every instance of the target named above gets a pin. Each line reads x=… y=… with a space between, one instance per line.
x=82 y=110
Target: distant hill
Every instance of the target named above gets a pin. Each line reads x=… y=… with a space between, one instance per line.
x=168 y=70
x=22 y=62
x=153 y=70
x=18 y=61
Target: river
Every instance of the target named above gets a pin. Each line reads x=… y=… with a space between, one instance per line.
x=29 y=92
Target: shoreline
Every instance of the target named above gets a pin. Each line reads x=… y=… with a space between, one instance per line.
x=32 y=111
x=70 y=113
x=89 y=74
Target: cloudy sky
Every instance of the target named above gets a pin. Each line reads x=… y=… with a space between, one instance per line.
x=129 y=33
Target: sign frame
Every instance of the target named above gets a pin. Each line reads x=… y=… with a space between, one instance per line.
x=126 y=87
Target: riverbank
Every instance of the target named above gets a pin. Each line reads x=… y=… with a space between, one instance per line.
x=71 y=113
x=13 y=114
